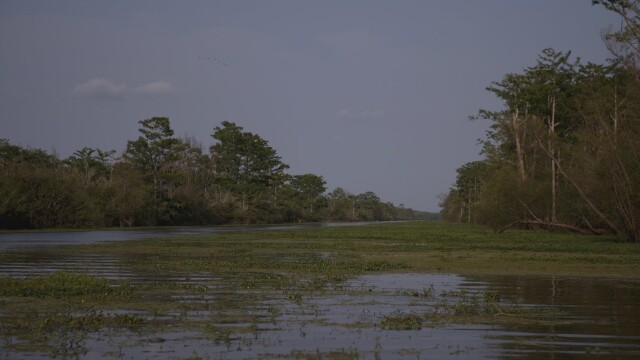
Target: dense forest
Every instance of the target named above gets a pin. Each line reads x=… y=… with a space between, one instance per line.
x=164 y=180
x=564 y=152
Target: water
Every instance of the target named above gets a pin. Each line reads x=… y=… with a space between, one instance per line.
x=11 y=241
x=596 y=318
x=589 y=317
x=603 y=315
x=43 y=263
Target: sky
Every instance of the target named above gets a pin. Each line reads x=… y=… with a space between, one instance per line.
x=371 y=95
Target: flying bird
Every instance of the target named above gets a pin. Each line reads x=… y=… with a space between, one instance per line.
x=214 y=60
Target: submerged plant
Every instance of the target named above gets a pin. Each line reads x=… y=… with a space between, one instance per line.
x=62 y=284
x=237 y=291
x=401 y=321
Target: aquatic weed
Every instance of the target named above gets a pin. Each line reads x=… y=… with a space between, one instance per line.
x=401 y=321
x=62 y=284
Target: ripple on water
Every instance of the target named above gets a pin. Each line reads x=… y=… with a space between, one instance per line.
x=598 y=317
x=110 y=267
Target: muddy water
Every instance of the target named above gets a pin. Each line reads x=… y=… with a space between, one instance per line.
x=602 y=316
x=590 y=317
x=10 y=241
x=41 y=262
x=594 y=318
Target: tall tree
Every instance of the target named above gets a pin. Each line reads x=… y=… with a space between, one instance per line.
x=513 y=91
x=625 y=42
x=308 y=192
x=245 y=165
x=91 y=164
x=341 y=205
x=155 y=153
x=368 y=204
x=552 y=82
x=584 y=120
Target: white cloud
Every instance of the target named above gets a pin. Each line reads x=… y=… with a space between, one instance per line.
x=102 y=88
x=346 y=114
x=372 y=113
x=156 y=87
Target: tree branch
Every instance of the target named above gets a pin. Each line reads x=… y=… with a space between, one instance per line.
x=544 y=223
x=584 y=197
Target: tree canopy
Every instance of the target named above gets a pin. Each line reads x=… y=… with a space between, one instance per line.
x=563 y=153
x=164 y=180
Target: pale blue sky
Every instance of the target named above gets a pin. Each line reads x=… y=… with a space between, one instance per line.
x=372 y=95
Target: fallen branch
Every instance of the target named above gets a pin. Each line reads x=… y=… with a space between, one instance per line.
x=548 y=225
x=502 y=229
x=529 y=210
x=592 y=229
x=582 y=194
x=504 y=314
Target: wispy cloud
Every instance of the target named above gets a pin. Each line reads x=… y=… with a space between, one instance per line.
x=102 y=88
x=156 y=87
x=372 y=113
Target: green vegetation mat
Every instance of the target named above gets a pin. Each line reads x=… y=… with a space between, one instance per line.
x=385 y=247
x=241 y=272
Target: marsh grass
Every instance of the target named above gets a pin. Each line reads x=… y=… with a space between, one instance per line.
x=415 y=246
x=63 y=284
x=465 y=307
x=55 y=313
x=341 y=354
x=402 y=321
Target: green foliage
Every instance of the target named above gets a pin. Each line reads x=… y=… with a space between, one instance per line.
x=155 y=148
x=61 y=285
x=624 y=43
x=246 y=281
x=401 y=321
x=307 y=195
x=163 y=180
x=247 y=167
x=563 y=153
x=92 y=165
x=156 y=154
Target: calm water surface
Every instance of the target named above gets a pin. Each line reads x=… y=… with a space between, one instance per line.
x=593 y=318
x=19 y=240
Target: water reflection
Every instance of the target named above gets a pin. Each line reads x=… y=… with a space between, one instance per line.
x=594 y=317
x=599 y=317
x=18 y=240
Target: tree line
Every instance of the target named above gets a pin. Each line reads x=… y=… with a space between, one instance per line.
x=164 y=180
x=564 y=152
